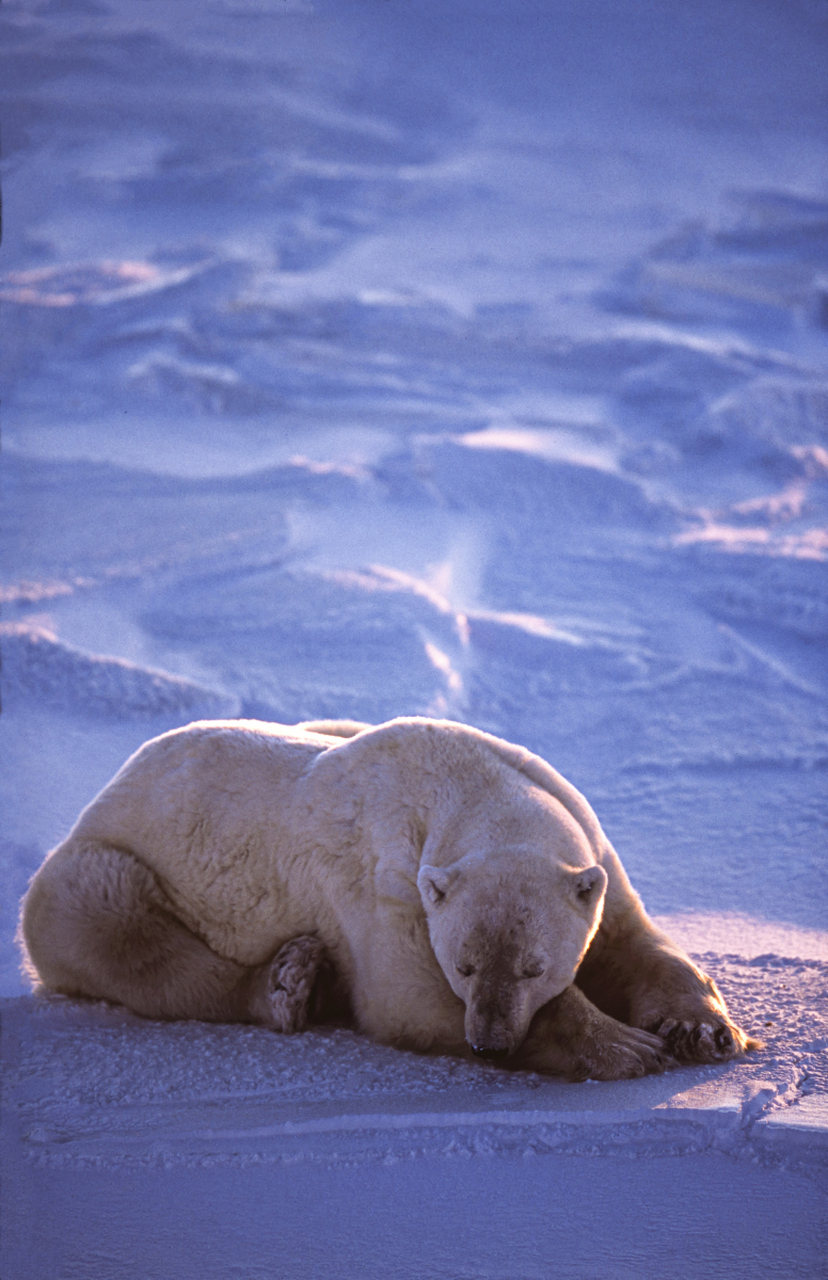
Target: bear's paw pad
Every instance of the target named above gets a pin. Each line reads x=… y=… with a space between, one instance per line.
x=293 y=973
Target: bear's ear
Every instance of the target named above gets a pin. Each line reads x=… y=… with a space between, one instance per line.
x=590 y=886
x=433 y=883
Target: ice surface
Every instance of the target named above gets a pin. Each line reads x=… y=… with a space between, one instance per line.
x=119 y=1108
x=448 y=358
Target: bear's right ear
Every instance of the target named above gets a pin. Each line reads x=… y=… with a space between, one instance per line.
x=433 y=883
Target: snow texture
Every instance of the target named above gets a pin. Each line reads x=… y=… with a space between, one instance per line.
x=387 y=358
x=96 y=1086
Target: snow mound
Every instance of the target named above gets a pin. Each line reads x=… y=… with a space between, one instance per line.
x=783 y=595
x=36 y=666
x=769 y=256
x=310 y=644
x=777 y=412
x=90 y=283
x=541 y=495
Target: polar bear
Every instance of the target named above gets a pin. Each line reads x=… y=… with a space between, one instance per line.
x=449 y=890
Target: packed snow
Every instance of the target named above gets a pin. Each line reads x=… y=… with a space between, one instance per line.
x=455 y=359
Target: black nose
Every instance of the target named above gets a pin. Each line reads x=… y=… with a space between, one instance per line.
x=481 y=1052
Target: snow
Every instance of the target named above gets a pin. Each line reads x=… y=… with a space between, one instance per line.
x=326 y=1155
x=378 y=359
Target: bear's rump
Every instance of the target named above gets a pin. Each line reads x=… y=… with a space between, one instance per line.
x=210 y=812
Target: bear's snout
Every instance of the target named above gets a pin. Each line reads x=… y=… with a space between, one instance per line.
x=493 y=1022
x=492 y=1037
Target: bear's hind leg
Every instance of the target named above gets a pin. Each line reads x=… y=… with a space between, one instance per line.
x=96 y=923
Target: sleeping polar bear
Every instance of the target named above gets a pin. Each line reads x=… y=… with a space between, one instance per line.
x=451 y=889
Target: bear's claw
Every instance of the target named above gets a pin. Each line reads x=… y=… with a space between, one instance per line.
x=702 y=1041
x=724 y=1039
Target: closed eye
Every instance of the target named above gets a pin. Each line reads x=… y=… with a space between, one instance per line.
x=465 y=970
x=532 y=971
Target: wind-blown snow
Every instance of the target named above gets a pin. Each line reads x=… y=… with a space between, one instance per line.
x=459 y=359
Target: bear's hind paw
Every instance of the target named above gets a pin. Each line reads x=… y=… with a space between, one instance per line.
x=285 y=1002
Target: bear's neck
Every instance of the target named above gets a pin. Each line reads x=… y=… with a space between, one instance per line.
x=415 y=791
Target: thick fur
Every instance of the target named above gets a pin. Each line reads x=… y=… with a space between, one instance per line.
x=446 y=887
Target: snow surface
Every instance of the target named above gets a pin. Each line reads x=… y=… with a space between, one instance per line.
x=455 y=358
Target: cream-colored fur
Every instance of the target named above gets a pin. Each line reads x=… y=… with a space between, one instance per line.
x=455 y=882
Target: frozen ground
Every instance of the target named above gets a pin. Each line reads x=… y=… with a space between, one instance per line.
x=148 y=1150
x=467 y=359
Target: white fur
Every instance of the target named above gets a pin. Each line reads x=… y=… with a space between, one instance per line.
x=260 y=832
x=457 y=883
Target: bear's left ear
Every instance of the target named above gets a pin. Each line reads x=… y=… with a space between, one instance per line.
x=433 y=883
x=590 y=885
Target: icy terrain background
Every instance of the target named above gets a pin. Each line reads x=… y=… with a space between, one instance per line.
x=453 y=358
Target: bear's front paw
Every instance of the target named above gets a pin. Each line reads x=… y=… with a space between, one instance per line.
x=570 y=1037
x=708 y=1038
x=623 y=1054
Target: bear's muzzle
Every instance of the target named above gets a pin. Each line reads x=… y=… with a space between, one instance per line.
x=481 y=1051
x=493 y=1023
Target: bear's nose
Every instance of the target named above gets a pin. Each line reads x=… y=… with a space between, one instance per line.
x=482 y=1052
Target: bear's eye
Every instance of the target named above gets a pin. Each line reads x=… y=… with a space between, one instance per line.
x=466 y=970
x=532 y=970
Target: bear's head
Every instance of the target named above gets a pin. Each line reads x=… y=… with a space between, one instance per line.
x=509 y=932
